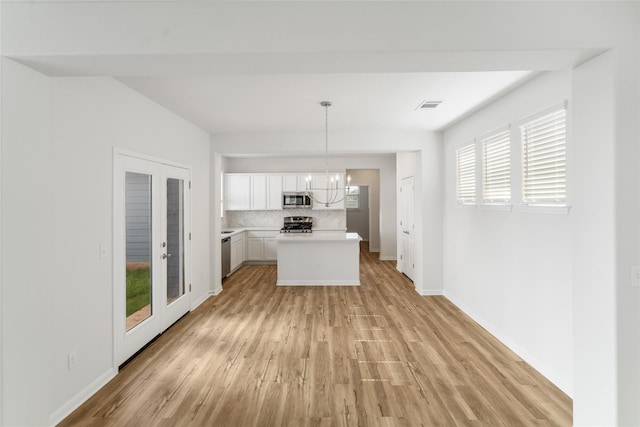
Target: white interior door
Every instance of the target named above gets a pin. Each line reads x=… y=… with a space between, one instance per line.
x=151 y=250
x=407 y=227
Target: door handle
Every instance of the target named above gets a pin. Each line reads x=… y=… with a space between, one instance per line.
x=165 y=256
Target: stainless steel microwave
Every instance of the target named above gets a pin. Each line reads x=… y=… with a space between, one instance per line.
x=296 y=200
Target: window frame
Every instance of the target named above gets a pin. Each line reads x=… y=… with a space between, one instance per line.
x=468 y=184
x=499 y=140
x=349 y=196
x=531 y=124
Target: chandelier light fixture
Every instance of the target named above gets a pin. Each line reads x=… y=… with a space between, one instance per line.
x=329 y=193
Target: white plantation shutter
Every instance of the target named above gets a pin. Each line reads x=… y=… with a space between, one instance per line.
x=544 y=158
x=496 y=167
x=466 y=174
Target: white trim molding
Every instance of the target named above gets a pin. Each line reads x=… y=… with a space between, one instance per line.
x=545 y=209
x=74 y=403
x=429 y=292
x=527 y=357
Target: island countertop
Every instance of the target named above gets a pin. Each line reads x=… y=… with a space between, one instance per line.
x=318 y=259
x=336 y=236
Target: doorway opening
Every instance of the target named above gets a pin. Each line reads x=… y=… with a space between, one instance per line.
x=357 y=206
x=365 y=219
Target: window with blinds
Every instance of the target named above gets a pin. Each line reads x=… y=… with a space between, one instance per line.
x=544 y=159
x=466 y=174
x=352 y=197
x=496 y=167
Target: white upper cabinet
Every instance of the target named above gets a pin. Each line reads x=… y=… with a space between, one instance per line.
x=258 y=192
x=238 y=197
x=253 y=192
x=247 y=191
x=274 y=192
x=293 y=183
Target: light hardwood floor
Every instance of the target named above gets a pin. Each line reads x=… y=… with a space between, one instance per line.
x=374 y=355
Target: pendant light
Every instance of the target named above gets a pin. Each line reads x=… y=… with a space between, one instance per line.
x=330 y=192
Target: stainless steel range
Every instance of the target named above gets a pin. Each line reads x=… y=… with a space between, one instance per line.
x=297 y=224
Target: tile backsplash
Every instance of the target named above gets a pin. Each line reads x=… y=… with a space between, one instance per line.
x=321 y=219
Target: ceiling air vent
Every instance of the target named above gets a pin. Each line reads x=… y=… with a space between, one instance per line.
x=428 y=105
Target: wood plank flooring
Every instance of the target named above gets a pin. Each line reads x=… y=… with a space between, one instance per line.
x=374 y=355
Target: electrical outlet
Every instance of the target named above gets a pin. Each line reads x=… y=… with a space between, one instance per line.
x=635 y=276
x=73 y=360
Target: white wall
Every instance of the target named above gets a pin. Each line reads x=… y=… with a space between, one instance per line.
x=218 y=165
x=511 y=271
x=27 y=259
x=627 y=191
x=594 y=246
x=606 y=238
x=429 y=218
x=58 y=140
x=384 y=163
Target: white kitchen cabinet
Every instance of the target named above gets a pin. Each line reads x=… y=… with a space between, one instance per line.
x=255 y=248
x=245 y=192
x=274 y=192
x=294 y=183
x=258 y=192
x=237 y=250
x=270 y=249
x=238 y=189
x=262 y=245
x=320 y=182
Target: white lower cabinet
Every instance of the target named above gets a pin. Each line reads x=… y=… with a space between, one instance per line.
x=270 y=249
x=262 y=245
x=237 y=250
x=255 y=248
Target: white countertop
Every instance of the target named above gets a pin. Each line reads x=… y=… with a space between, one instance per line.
x=336 y=236
x=236 y=230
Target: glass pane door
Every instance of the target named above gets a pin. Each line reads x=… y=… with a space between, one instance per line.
x=175 y=239
x=151 y=255
x=138 y=241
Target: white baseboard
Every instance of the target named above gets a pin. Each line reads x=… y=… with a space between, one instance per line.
x=429 y=292
x=72 y=404
x=387 y=258
x=542 y=368
x=216 y=291
x=199 y=301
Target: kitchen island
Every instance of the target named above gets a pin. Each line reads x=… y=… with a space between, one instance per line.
x=318 y=259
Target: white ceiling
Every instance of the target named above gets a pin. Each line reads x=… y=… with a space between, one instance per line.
x=291 y=102
x=236 y=67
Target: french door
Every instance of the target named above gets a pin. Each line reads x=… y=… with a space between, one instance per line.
x=151 y=250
